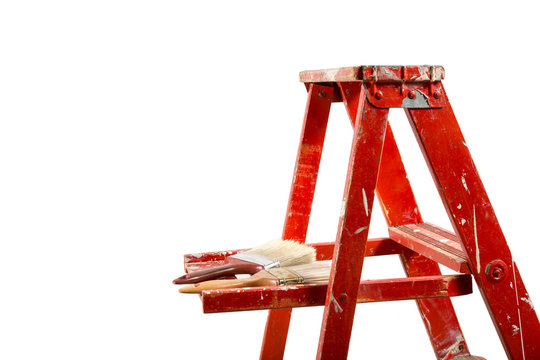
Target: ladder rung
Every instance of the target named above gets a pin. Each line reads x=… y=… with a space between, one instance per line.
x=432 y=242
x=325 y=251
x=260 y=298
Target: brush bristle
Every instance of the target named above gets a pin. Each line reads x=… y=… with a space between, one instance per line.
x=287 y=252
x=316 y=272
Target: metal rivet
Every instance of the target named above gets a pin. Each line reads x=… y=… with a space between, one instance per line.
x=343 y=297
x=378 y=94
x=496 y=270
x=321 y=94
x=437 y=94
x=347 y=92
x=411 y=94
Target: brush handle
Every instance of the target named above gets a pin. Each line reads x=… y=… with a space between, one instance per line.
x=260 y=279
x=232 y=267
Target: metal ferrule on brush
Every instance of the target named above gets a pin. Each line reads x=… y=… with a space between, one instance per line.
x=264 y=261
x=286 y=276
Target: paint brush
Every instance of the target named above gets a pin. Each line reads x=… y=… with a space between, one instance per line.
x=315 y=272
x=277 y=253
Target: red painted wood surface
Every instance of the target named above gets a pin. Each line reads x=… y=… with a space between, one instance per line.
x=410 y=73
x=259 y=298
x=474 y=221
x=431 y=245
x=399 y=207
x=300 y=201
x=353 y=229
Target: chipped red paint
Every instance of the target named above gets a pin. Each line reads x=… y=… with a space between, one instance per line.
x=478 y=244
x=353 y=229
x=474 y=221
x=413 y=73
x=300 y=201
x=399 y=207
x=259 y=298
x=436 y=247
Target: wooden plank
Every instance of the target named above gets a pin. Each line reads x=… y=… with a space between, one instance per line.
x=260 y=298
x=408 y=73
x=432 y=248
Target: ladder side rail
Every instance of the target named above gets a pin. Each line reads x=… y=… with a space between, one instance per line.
x=352 y=231
x=474 y=221
x=399 y=208
x=299 y=204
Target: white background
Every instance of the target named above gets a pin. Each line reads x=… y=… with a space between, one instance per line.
x=133 y=132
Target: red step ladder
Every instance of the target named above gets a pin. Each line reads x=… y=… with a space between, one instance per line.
x=477 y=247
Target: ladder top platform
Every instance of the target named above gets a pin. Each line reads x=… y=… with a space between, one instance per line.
x=375 y=73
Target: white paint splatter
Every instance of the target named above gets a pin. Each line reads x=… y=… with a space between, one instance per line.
x=465 y=184
x=359 y=230
x=528 y=301
x=459 y=206
x=337 y=307
x=476 y=241
x=519 y=312
x=463 y=221
x=343 y=208
x=515 y=329
x=365 y=202
x=428 y=323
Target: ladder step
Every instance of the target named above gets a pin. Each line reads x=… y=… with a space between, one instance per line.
x=259 y=298
x=325 y=251
x=432 y=242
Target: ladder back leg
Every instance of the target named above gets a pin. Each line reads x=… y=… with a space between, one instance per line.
x=300 y=201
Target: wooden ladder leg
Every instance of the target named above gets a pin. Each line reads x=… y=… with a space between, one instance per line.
x=399 y=207
x=353 y=229
x=300 y=200
x=473 y=219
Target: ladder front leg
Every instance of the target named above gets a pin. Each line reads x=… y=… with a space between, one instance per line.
x=353 y=229
x=474 y=221
x=399 y=208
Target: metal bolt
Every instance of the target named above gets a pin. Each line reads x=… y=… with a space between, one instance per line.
x=347 y=92
x=437 y=94
x=378 y=95
x=497 y=272
x=411 y=94
x=343 y=297
x=321 y=94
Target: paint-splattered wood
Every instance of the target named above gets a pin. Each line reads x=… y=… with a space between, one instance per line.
x=314 y=295
x=374 y=247
x=474 y=221
x=432 y=242
x=410 y=73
